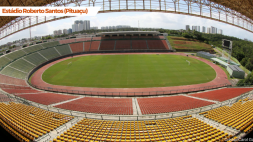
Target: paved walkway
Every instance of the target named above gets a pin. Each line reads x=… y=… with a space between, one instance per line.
x=221 y=78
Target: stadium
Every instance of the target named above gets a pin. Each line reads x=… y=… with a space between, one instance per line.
x=122 y=86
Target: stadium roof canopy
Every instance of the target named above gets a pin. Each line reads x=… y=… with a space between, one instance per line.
x=242 y=6
x=7 y=19
x=238 y=13
x=130 y=33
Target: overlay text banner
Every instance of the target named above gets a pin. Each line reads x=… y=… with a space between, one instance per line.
x=48 y=11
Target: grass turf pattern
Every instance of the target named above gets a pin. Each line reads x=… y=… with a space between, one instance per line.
x=129 y=71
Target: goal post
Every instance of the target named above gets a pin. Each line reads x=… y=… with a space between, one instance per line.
x=188 y=62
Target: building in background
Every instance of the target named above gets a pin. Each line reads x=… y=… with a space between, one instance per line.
x=220 y=31
x=209 y=30
x=187 y=27
x=78 y=22
x=55 y=32
x=59 y=32
x=104 y=28
x=198 y=28
x=86 y=24
x=195 y=28
x=65 y=31
x=94 y=28
x=122 y=26
x=80 y=27
x=69 y=31
x=203 y=29
x=213 y=30
x=115 y=27
x=75 y=28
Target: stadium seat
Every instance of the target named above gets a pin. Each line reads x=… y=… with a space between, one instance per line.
x=67 y=41
x=64 y=49
x=8 y=71
x=87 y=46
x=22 y=65
x=10 y=80
x=15 y=54
x=222 y=94
x=139 y=44
x=121 y=106
x=50 y=44
x=32 y=48
x=28 y=122
x=46 y=98
x=94 y=45
x=4 y=61
x=156 y=44
x=35 y=58
x=169 y=104
x=107 y=45
x=174 y=129
x=76 y=47
x=238 y=116
x=49 y=53
x=123 y=44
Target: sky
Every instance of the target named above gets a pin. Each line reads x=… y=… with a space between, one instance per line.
x=146 y=19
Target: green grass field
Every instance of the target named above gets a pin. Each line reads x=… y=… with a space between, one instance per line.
x=129 y=71
x=182 y=43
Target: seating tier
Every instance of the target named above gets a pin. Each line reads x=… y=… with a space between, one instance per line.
x=50 y=44
x=46 y=98
x=76 y=47
x=49 y=53
x=107 y=45
x=94 y=45
x=169 y=104
x=22 y=65
x=63 y=49
x=9 y=80
x=32 y=48
x=13 y=73
x=100 y=105
x=222 y=94
x=35 y=58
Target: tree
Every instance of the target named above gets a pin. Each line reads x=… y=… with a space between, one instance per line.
x=247 y=81
x=239 y=55
x=249 y=65
x=186 y=35
x=240 y=82
x=243 y=61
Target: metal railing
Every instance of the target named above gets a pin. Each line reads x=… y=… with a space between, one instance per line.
x=129 y=94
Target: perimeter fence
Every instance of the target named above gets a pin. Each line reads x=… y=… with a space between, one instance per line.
x=130 y=94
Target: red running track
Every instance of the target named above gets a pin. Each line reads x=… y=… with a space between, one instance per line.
x=221 y=78
x=116 y=106
x=46 y=98
x=222 y=94
x=169 y=104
